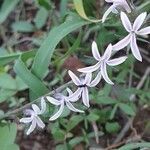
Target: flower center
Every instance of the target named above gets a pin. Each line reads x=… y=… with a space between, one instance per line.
x=83 y=85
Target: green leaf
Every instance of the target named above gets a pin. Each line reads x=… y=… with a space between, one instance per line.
x=112 y=114
x=112 y=127
x=105 y=100
x=6 y=8
x=8 y=58
x=41 y=17
x=34 y=84
x=74 y=121
x=92 y=117
x=20 y=84
x=45 y=52
x=127 y=109
x=5 y=94
x=23 y=26
x=7 y=136
x=7 y=82
x=135 y=146
x=80 y=10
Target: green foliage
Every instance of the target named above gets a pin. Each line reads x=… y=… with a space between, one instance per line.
x=40 y=68
x=7 y=136
x=6 y=8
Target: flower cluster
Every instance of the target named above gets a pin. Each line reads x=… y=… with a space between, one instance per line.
x=86 y=81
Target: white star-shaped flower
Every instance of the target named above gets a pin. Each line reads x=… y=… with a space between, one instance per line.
x=62 y=100
x=103 y=62
x=34 y=118
x=117 y=4
x=133 y=32
x=83 y=84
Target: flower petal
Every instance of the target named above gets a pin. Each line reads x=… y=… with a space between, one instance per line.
x=126 y=22
x=123 y=43
x=69 y=91
x=72 y=108
x=108 y=11
x=74 y=78
x=96 y=80
x=32 y=127
x=26 y=120
x=85 y=96
x=59 y=112
x=43 y=105
x=107 y=53
x=144 y=31
x=104 y=73
x=36 y=108
x=53 y=100
x=75 y=96
x=40 y=122
x=88 y=78
x=95 y=51
x=116 y=61
x=139 y=21
x=134 y=48
x=90 y=69
x=109 y=1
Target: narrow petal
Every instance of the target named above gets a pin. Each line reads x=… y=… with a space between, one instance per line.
x=108 y=11
x=43 y=105
x=88 y=78
x=134 y=48
x=126 y=22
x=126 y=7
x=107 y=53
x=85 y=97
x=109 y=1
x=74 y=78
x=32 y=127
x=139 y=21
x=116 y=61
x=72 y=108
x=75 y=96
x=69 y=91
x=104 y=74
x=96 y=80
x=90 y=69
x=36 y=108
x=26 y=120
x=123 y=43
x=144 y=31
x=40 y=122
x=55 y=116
x=53 y=100
x=95 y=51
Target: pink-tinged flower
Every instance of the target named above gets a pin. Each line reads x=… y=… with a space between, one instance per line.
x=62 y=100
x=117 y=5
x=133 y=31
x=34 y=118
x=103 y=61
x=83 y=84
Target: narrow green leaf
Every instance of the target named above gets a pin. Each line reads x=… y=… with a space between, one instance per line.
x=41 y=17
x=80 y=9
x=6 y=8
x=23 y=26
x=34 y=84
x=45 y=52
x=8 y=135
x=8 y=58
x=135 y=146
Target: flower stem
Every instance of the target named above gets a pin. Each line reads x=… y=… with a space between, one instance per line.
x=11 y=113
